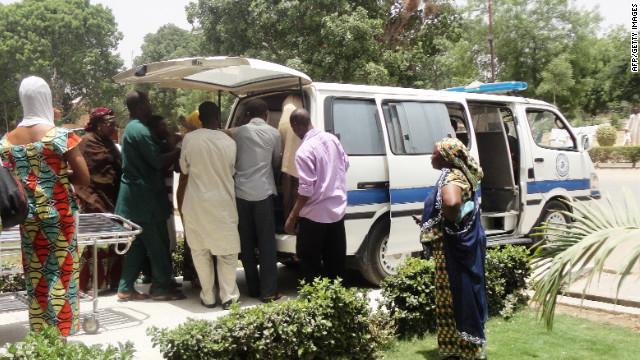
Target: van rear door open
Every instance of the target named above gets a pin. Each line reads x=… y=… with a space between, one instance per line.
x=240 y=76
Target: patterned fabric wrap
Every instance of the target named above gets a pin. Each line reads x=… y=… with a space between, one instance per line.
x=458 y=251
x=97 y=115
x=458 y=156
x=105 y=167
x=49 y=246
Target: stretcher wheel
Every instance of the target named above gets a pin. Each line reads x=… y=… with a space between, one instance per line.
x=90 y=325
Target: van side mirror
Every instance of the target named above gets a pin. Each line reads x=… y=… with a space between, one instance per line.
x=584 y=143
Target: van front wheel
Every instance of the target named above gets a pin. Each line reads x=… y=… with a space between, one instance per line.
x=552 y=213
x=376 y=262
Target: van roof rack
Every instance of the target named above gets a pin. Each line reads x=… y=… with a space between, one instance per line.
x=503 y=87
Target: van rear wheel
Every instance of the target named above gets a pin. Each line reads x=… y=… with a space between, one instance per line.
x=376 y=262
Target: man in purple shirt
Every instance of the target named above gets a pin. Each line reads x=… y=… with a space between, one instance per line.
x=322 y=200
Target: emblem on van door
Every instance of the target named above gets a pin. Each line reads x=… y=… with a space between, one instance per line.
x=562 y=165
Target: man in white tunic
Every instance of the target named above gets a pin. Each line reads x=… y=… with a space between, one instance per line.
x=210 y=216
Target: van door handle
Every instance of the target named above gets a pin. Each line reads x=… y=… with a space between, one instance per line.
x=373 y=185
x=539 y=160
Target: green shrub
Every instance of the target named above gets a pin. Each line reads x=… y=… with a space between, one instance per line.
x=327 y=321
x=603 y=154
x=507 y=270
x=177 y=258
x=47 y=344
x=599 y=154
x=632 y=154
x=12 y=282
x=606 y=135
x=409 y=297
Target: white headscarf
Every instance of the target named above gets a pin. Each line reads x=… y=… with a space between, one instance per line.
x=37 y=105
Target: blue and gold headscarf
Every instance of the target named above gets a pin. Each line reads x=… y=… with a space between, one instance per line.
x=458 y=156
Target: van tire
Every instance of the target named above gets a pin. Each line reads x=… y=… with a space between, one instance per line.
x=372 y=264
x=550 y=212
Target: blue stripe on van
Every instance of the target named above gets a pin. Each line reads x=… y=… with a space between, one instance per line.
x=411 y=195
x=536 y=187
x=367 y=197
x=381 y=196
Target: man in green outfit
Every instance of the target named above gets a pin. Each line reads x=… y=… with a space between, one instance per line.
x=143 y=199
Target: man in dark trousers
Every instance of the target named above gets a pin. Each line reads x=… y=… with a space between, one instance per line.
x=259 y=153
x=143 y=199
x=322 y=200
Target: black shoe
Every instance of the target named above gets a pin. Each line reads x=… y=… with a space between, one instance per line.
x=273 y=298
x=227 y=305
x=211 y=306
x=169 y=296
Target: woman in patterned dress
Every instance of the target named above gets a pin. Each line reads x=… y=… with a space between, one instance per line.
x=105 y=169
x=46 y=160
x=452 y=230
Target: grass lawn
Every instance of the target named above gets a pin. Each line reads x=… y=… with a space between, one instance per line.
x=523 y=337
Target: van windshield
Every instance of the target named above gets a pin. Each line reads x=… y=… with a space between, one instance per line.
x=414 y=127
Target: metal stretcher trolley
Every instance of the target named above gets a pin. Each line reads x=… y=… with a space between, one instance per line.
x=93 y=229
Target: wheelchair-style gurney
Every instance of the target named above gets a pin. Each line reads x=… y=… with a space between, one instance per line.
x=93 y=229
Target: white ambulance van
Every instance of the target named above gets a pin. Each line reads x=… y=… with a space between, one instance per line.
x=389 y=134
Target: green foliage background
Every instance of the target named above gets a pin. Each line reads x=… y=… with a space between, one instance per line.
x=555 y=46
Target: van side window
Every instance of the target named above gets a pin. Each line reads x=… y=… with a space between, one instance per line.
x=548 y=130
x=414 y=127
x=356 y=124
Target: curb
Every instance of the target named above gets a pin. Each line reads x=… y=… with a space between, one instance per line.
x=604 y=299
x=598 y=305
x=616 y=166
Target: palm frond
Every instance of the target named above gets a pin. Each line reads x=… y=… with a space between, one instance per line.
x=568 y=251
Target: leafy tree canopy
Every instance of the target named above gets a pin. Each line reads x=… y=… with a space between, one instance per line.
x=69 y=43
x=389 y=42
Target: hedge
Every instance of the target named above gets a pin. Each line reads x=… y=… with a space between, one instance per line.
x=603 y=154
x=409 y=296
x=326 y=321
x=12 y=282
x=177 y=258
x=507 y=270
x=47 y=344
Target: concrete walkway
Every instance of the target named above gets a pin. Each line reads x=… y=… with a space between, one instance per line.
x=604 y=288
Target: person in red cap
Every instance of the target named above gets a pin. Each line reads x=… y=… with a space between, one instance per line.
x=105 y=169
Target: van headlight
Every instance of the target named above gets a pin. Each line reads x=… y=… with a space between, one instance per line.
x=594 y=183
